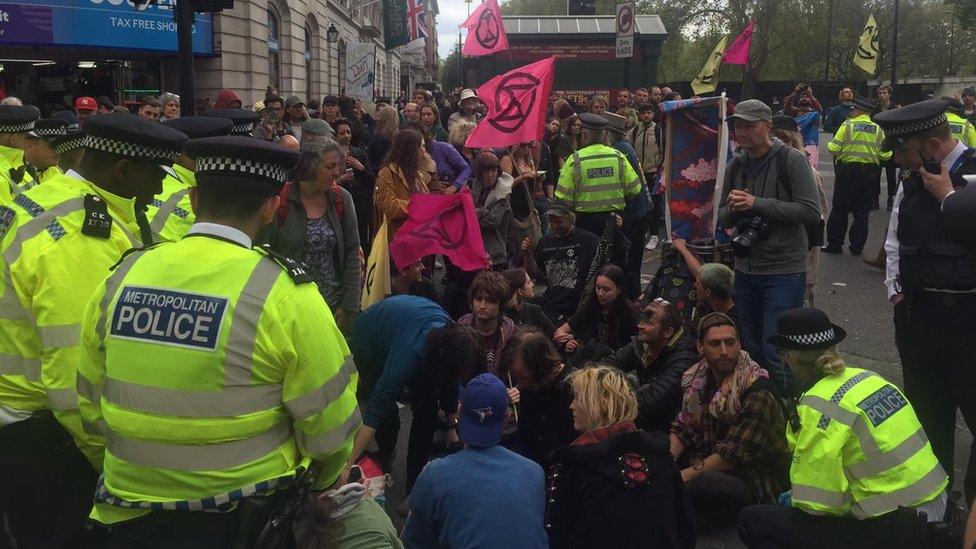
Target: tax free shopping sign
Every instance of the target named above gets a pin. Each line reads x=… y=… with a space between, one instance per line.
x=100 y=24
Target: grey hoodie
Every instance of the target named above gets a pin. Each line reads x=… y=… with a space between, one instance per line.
x=787 y=208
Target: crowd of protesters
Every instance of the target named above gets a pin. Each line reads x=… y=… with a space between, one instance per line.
x=598 y=410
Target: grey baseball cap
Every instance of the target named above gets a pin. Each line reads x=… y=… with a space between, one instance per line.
x=317 y=126
x=753 y=110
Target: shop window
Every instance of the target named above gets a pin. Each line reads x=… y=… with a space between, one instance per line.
x=274 y=50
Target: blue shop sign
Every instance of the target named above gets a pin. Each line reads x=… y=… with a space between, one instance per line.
x=99 y=23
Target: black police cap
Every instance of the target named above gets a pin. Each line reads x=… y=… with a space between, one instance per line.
x=904 y=122
x=864 y=104
x=196 y=127
x=592 y=121
x=72 y=141
x=48 y=129
x=243 y=120
x=134 y=137
x=18 y=119
x=239 y=156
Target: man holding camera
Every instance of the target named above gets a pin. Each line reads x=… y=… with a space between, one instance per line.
x=769 y=196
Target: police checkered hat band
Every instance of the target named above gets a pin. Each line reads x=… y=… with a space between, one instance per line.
x=19 y=127
x=130 y=150
x=69 y=145
x=48 y=133
x=916 y=126
x=242 y=129
x=239 y=166
x=812 y=339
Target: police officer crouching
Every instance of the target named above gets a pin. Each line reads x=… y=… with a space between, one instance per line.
x=213 y=370
x=858 y=158
x=59 y=241
x=931 y=278
x=863 y=472
x=170 y=214
x=597 y=179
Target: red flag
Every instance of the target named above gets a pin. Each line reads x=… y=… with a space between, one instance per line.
x=441 y=224
x=517 y=103
x=738 y=52
x=486 y=33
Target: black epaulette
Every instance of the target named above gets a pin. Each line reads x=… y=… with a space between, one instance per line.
x=98 y=222
x=128 y=253
x=297 y=270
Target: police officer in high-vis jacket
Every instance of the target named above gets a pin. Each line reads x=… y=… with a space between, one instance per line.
x=39 y=151
x=863 y=470
x=931 y=276
x=597 y=179
x=58 y=241
x=212 y=370
x=15 y=122
x=857 y=165
x=170 y=213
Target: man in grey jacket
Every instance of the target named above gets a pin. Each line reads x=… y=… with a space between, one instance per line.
x=770 y=187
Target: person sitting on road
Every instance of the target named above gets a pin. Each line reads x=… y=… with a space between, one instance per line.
x=605 y=316
x=863 y=471
x=519 y=309
x=614 y=486
x=540 y=393
x=484 y=495
x=730 y=432
x=659 y=355
x=713 y=284
x=486 y=298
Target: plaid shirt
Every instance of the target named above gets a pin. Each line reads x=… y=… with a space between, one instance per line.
x=755 y=442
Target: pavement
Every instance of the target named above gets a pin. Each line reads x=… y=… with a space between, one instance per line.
x=850 y=292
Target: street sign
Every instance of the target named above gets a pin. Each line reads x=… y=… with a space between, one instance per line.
x=625 y=29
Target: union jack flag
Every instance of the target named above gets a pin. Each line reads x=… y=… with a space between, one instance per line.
x=416 y=19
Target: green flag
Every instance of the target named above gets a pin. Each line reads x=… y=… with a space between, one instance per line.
x=866 y=55
x=395 y=32
x=707 y=80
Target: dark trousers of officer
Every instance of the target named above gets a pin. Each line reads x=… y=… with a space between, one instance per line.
x=779 y=527
x=46 y=485
x=933 y=338
x=593 y=222
x=855 y=189
x=636 y=232
x=178 y=530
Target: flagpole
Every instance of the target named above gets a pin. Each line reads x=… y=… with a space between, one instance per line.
x=894 y=50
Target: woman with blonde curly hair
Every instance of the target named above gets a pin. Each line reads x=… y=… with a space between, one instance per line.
x=614 y=486
x=861 y=461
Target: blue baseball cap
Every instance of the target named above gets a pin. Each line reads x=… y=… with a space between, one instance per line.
x=484 y=404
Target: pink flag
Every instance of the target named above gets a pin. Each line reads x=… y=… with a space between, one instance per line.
x=517 y=103
x=486 y=33
x=441 y=224
x=738 y=52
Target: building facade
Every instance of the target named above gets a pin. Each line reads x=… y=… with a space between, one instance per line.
x=56 y=50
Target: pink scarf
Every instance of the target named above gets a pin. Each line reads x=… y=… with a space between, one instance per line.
x=727 y=400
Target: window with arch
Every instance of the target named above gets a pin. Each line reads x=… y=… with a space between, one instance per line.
x=274 y=50
x=341 y=64
x=308 y=63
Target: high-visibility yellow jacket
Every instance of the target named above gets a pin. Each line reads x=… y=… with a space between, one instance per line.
x=10 y=158
x=208 y=372
x=170 y=214
x=961 y=129
x=597 y=178
x=50 y=269
x=860 y=449
x=50 y=173
x=858 y=141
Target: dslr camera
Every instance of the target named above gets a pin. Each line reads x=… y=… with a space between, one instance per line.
x=747 y=232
